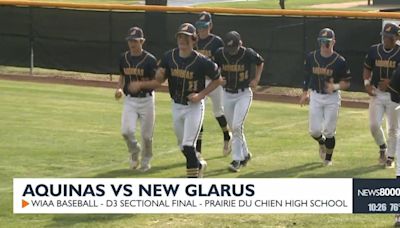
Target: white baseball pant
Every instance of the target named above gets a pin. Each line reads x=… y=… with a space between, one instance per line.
x=397 y=110
x=236 y=107
x=187 y=122
x=216 y=97
x=323 y=114
x=142 y=109
x=378 y=106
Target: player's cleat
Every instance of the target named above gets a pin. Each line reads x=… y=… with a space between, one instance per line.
x=227 y=147
x=133 y=162
x=203 y=167
x=145 y=167
x=134 y=156
x=247 y=159
x=327 y=163
x=382 y=157
x=397 y=220
x=322 y=151
x=389 y=163
x=201 y=159
x=235 y=166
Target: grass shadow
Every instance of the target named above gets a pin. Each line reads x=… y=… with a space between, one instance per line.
x=280 y=173
x=74 y=220
x=345 y=173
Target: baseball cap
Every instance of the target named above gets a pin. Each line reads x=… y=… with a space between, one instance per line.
x=135 y=33
x=232 y=41
x=326 y=34
x=204 y=20
x=187 y=29
x=390 y=29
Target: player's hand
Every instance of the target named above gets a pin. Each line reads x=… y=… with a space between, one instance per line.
x=370 y=89
x=383 y=84
x=223 y=83
x=329 y=88
x=253 y=84
x=118 y=94
x=304 y=98
x=134 y=87
x=195 y=97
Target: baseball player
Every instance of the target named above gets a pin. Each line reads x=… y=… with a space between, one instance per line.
x=186 y=70
x=137 y=65
x=393 y=87
x=379 y=64
x=241 y=69
x=207 y=45
x=326 y=73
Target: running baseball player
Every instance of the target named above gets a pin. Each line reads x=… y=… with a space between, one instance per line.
x=379 y=64
x=207 y=45
x=326 y=73
x=186 y=70
x=137 y=65
x=241 y=70
x=393 y=87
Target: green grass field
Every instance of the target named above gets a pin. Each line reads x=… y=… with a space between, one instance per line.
x=67 y=131
x=269 y=4
x=272 y=4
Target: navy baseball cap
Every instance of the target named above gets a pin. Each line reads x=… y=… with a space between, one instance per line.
x=326 y=34
x=135 y=33
x=204 y=20
x=187 y=29
x=232 y=41
x=390 y=29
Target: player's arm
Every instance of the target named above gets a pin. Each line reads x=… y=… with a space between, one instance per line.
x=344 y=82
x=120 y=85
x=344 y=75
x=259 y=68
x=367 y=73
x=159 y=77
x=306 y=83
x=258 y=61
x=152 y=84
x=213 y=72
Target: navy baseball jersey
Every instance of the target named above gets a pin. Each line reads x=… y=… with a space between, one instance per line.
x=237 y=69
x=394 y=86
x=209 y=45
x=137 y=68
x=187 y=75
x=381 y=62
x=319 y=70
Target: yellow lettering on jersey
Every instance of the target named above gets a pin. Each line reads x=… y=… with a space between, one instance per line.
x=134 y=71
x=322 y=71
x=233 y=67
x=179 y=73
x=205 y=52
x=385 y=63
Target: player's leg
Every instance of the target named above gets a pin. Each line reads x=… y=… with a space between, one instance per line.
x=216 y=97
x=177 y=119
x=128 y=128
x=147 y=116
x=240 y=105
x=315 y=118
x=199 y=141
x=397 y=109
x=229 y=101
x=242 y=108
x=392 y=127
x=376 y=112
x=193 y=120
x=331 y=112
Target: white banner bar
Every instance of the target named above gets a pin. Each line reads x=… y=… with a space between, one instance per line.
x=172 y=195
